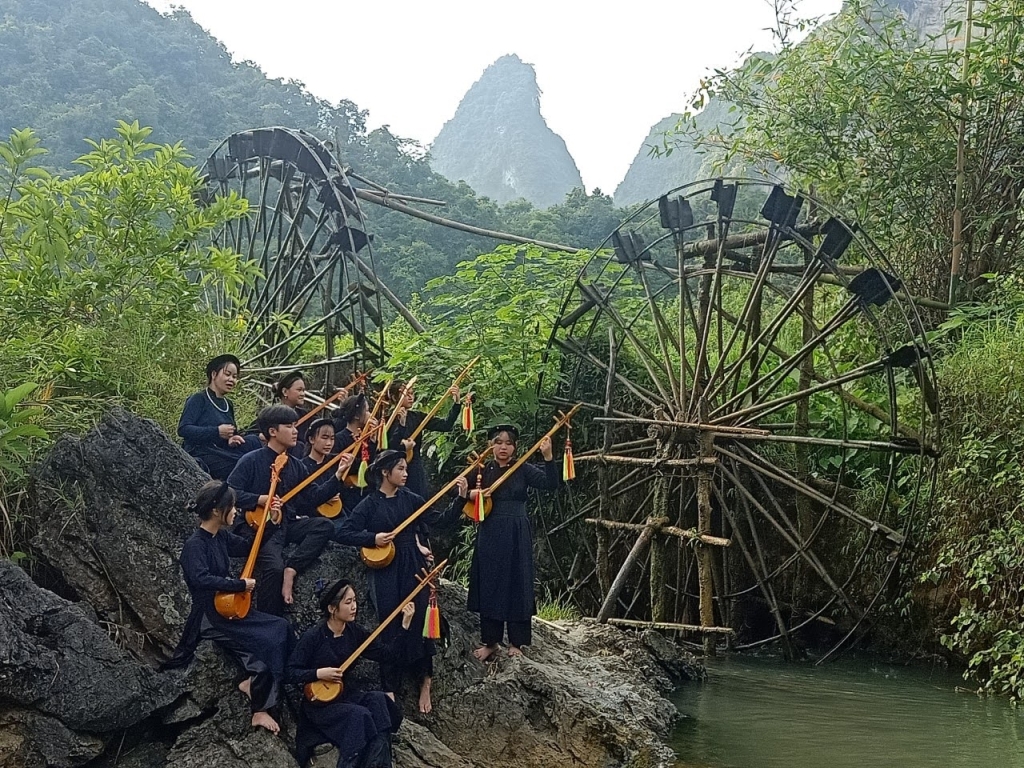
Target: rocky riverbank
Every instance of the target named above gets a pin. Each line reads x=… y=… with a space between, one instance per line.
x=78 y=679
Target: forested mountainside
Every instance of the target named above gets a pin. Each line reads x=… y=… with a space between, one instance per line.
x=72 y=68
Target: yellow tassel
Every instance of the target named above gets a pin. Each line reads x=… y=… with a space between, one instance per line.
x=468 y=421
x=382 y=443
x=568 y=464
x=361 y=475
x=479 y=510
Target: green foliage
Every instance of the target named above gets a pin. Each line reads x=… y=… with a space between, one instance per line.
x=103 y=278
x=501 y=306
x=867 y=114
x=17 y=430
x=975 y=537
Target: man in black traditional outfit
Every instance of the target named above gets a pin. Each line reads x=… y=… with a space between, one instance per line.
x=358 y=723
x=257 y=642
x=298 y=523
x=207 y=425
x=501 y=572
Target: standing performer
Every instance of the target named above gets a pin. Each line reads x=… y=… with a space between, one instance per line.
x=359 y=724
x=350 y=419
x=501 y=572
x=257 y=642
x=407 y=422
x=207 y=424
x=298 y=522
x=370 y=524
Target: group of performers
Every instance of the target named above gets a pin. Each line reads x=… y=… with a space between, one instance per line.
x=341 y=458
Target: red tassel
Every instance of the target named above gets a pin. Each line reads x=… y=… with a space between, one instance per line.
x=432 y=621
x=479 y=510
x=568 y=464
x=364 y=464
x=468 y=421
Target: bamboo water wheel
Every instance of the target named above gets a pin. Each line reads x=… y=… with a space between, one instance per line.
x=317 y=288
x=760 y=418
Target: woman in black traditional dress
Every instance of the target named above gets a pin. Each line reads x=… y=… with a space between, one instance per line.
x=358 y=723
x=407 y=421
x=370 y=524
x=351 y=418
x=321 y=443
x=259 y=641
x=207 y=425
x=501 y=572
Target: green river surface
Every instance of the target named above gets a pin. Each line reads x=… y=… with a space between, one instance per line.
x=762 y=713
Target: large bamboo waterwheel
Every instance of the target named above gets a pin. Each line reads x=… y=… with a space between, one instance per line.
x=306 y=234
x=760 y=417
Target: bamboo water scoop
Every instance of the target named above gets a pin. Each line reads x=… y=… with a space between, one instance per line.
x=437 y=406
x=327 y=690
x=235 y=605
x=469 y=509
x=381 y=557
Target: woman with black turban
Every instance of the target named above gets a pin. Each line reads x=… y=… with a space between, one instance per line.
x=370 y=524
x=501 y=572
x=358 y=723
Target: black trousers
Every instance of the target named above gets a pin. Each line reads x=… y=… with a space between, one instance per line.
x=492 y=631
x=311 y=534
x=264 y=691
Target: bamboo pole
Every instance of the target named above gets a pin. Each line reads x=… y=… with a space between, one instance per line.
x=623 y=575
x=662 y=527
x=632 y=623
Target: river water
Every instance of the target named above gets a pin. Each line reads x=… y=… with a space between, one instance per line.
x=758 y=713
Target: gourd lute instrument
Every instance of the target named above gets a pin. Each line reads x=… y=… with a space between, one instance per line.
x=437 y=407
x=469 y=509
x=328 y=690
x=254 y=516
x=235 y=605
x=381 y=557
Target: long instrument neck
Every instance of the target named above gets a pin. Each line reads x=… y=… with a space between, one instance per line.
x=433 y=500
x=437 y=406
x=522 y=459
x=310 y=414
x=250 y=563
x=383 y=625
x=363 y=436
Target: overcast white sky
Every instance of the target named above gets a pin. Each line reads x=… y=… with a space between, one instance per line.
x=608 y=70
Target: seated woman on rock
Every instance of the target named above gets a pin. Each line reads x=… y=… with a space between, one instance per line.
x=370 y=524
x=298 y=522
x=320 y=443
x=207 y=424
x=259 y=641
x=350 y=419
x=501 y=572
x=359 y=724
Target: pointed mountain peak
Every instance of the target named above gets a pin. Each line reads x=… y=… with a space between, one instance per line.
x=498 y=141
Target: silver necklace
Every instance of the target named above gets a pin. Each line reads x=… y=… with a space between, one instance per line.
x=227 y=405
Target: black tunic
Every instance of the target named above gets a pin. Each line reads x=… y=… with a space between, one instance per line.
x=205 y=561
x=417 y=482
x=199 y=430
x=355 y=718
x=501 y=573
x=350 y=494
x=251 y=479
x=391 y=585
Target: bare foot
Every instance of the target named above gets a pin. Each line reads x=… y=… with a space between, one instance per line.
x=286 y=587
x=484 y=652
x=245 y=687
x=513 y=651
x=425 y=705
x=263 y=720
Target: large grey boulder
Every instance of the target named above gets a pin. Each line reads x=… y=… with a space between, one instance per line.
x=110 y=507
